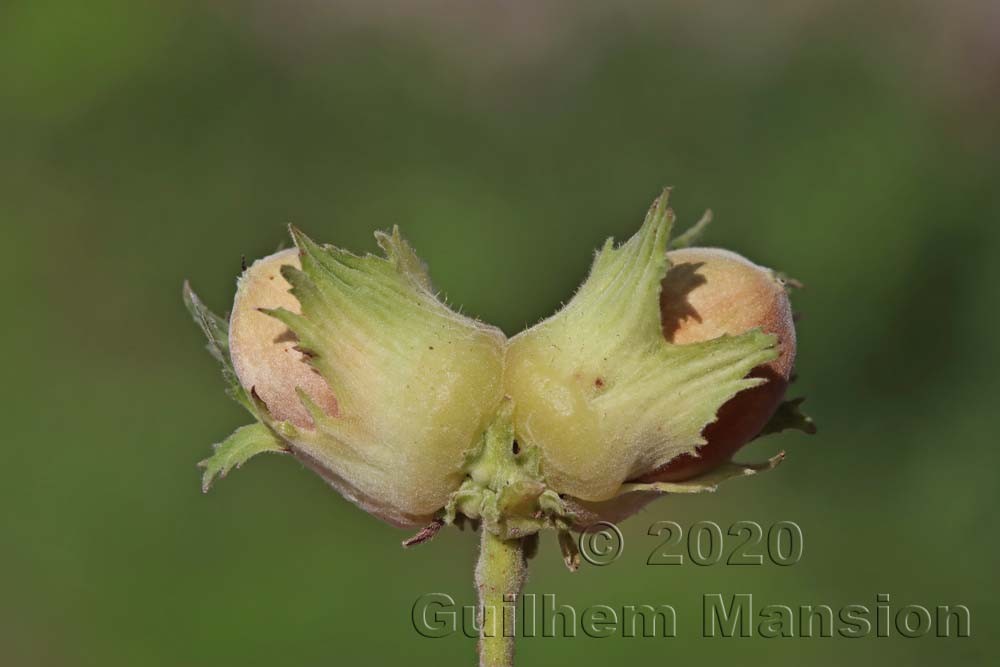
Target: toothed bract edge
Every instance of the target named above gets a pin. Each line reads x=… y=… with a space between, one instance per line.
x=397 y=386
x=599 y=390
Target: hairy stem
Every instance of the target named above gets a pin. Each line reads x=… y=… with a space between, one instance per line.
x=500 y=575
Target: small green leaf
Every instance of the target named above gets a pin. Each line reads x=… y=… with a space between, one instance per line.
x=216 y=330
x=789 y=416
x=214 y=327
x=693 y=234
x=707 y=482
x=234 y=451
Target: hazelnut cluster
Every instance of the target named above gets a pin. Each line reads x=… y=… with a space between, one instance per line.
x=663 y=364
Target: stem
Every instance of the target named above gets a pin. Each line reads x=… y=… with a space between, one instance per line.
x=500 y=575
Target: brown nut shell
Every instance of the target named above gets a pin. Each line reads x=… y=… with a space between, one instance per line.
x=709 y=292
x=263 y=349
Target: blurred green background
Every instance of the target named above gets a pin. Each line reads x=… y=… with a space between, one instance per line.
x=851 y=145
